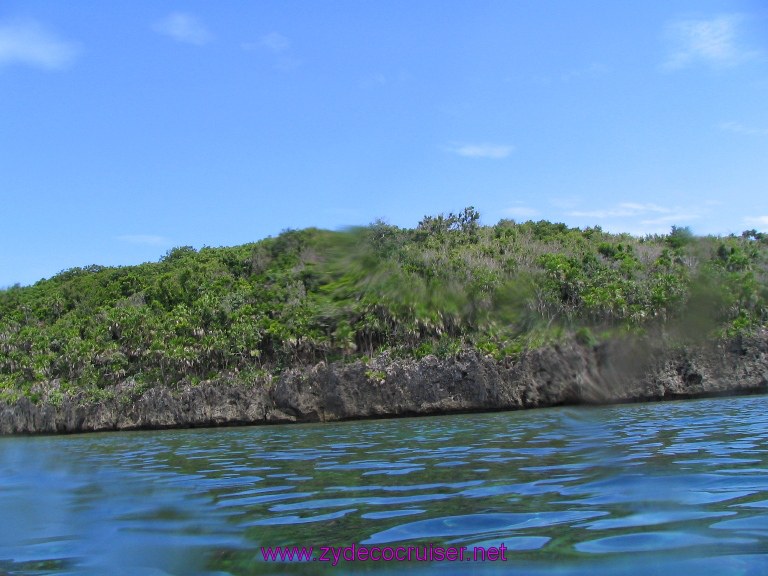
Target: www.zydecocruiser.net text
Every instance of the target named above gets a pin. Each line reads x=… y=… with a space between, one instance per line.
x=361 y=553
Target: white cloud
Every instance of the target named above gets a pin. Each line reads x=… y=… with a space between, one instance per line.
x=598 y=213
x=638 y=218
x=183 y=28
x=373 y=81
x=761 y=221
x=712 y=42
x=275 y=42
x=145 y=239
x=625 y=209
x=738 y=128
x=521 y=212
x=594 y=70
x=277 y=45
x=26 y=42
x=676 y=217
x=565 y=202
x=493 y=151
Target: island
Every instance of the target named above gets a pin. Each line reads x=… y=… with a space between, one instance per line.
x=381 y=321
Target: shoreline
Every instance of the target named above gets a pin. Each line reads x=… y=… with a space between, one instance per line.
x=569 y=373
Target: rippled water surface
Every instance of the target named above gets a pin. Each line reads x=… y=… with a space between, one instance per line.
x=642 y=489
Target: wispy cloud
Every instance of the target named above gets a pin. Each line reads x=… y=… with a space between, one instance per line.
x=565 y=202
x=183 y=28
x=521 y=212
x=27 y=42
x=761 y=221
x=637 y=217
x=492 y=151
x=582 y=73
x=738 y=128
x=713 y=42
x=275 y=42
x=278 y=46
x=145 y=239
x=676 y=217
x=593 y=70
x=374 y=80
x=625 y=209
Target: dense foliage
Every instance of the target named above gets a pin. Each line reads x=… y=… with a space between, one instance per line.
x=312 y=295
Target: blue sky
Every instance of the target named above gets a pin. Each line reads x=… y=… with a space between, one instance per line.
x=128 y=128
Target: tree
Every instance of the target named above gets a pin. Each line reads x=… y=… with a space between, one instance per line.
x=679 y=237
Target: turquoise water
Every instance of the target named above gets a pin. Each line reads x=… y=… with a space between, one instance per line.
x=661 y=488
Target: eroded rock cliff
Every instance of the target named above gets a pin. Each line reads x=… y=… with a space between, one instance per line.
x=569 y=373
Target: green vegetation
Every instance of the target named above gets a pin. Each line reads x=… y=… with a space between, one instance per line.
x=314 y=295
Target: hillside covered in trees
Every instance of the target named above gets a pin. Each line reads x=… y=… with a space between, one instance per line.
x=312 y=295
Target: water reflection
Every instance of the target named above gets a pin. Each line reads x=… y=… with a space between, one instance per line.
x=612 y=490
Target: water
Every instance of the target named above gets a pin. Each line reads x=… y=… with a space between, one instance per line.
x=640 y=489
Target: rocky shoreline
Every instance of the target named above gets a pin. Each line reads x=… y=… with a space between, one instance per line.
x=565 y=374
